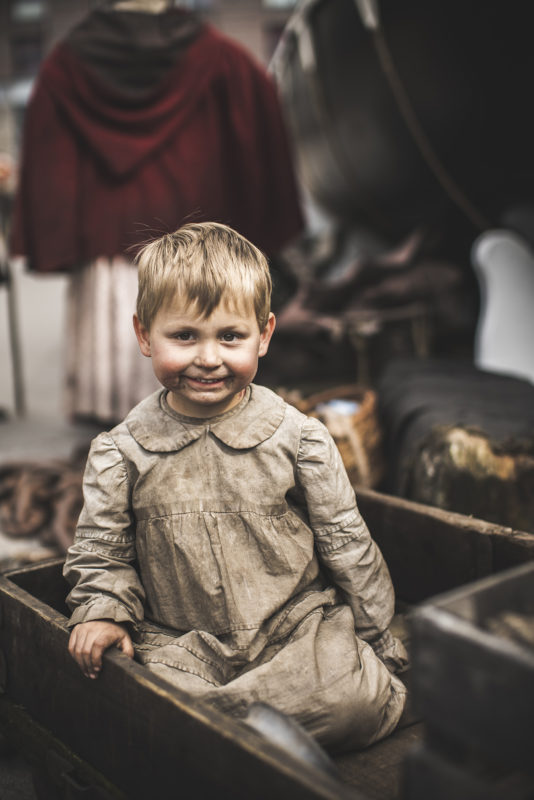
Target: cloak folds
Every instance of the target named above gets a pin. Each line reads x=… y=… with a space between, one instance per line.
x=139 y=123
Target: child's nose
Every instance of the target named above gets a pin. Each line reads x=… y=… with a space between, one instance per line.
x=208 y=355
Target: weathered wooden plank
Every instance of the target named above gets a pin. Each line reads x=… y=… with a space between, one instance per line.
x=45 y=582
x=51 y=756
x=429 y=550
x=429 y=776
x=377 y=771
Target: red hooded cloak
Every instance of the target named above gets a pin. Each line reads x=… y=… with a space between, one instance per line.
x=135 y=127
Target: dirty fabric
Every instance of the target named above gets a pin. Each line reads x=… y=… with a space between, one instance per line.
x=235 y=549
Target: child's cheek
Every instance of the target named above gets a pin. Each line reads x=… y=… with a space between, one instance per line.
x=167 y=362
x=243 y=361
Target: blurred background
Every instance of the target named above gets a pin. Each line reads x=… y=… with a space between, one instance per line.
x=28 y=31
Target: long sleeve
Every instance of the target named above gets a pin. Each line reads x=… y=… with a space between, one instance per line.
x=344 y=544
x=99 y=564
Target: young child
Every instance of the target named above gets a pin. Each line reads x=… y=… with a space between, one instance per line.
x=220 y=541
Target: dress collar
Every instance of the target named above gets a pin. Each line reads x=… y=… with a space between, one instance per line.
x=159 y=429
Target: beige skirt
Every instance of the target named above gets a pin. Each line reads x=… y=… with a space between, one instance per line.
x=322 y=674
x=106 y=375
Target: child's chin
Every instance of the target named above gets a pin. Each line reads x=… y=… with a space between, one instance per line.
x=207 y=403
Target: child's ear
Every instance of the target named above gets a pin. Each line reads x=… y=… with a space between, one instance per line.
x=265 y=335
x=143 y=336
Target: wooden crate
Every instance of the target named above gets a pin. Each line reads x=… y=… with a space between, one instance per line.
x=430 y=551
x=129 y=735
x=140 y=735
x=473 y=682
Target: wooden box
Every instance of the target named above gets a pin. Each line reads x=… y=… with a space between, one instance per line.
x=473 y=677
x=130 y=735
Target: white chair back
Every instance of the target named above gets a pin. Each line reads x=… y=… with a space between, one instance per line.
x=504 y=264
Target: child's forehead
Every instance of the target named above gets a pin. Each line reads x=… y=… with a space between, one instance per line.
x=239 y=306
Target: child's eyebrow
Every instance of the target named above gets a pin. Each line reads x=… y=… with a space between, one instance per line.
x=181 y=326
x=235 y=326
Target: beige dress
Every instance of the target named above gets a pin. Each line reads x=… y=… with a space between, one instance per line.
x=106 y=375
x=235 y=549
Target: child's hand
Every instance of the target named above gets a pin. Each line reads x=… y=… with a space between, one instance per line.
x=88 y=641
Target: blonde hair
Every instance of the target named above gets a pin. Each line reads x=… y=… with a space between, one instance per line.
x=203 y=262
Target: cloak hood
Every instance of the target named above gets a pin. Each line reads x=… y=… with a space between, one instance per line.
x=140 y=122
x=118 y=79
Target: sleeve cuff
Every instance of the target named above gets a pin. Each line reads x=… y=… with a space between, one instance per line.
x=390 y=651
x=103 y=608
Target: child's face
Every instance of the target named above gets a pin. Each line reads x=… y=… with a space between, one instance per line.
x=205 y=363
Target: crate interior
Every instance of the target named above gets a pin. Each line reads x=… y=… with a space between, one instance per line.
x=504 y=596
x=44 y=581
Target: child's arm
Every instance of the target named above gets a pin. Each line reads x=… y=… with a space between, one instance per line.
x=89 y=640
x=344 y=544
x=99 y=565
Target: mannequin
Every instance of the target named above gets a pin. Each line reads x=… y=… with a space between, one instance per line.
x=138 y=123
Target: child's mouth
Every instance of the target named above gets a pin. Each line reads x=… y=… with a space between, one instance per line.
x=206 y=381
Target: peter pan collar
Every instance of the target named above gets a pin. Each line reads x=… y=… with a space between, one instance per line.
x=157 y=429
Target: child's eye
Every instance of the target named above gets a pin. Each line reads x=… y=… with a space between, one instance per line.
x=230 y=337
x=183 y=336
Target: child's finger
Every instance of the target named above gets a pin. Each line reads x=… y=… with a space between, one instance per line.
x=125 y=644
x=78 y=648
x=102 y=640
x=95 y=658
x=86 y=654
x=74 y=647
x=85 y=651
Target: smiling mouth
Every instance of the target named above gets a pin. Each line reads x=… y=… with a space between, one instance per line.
x=205 y=381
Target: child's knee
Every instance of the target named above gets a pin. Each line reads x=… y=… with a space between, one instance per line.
x=367 y=708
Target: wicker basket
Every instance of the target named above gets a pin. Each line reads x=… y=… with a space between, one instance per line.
x=358 y=436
